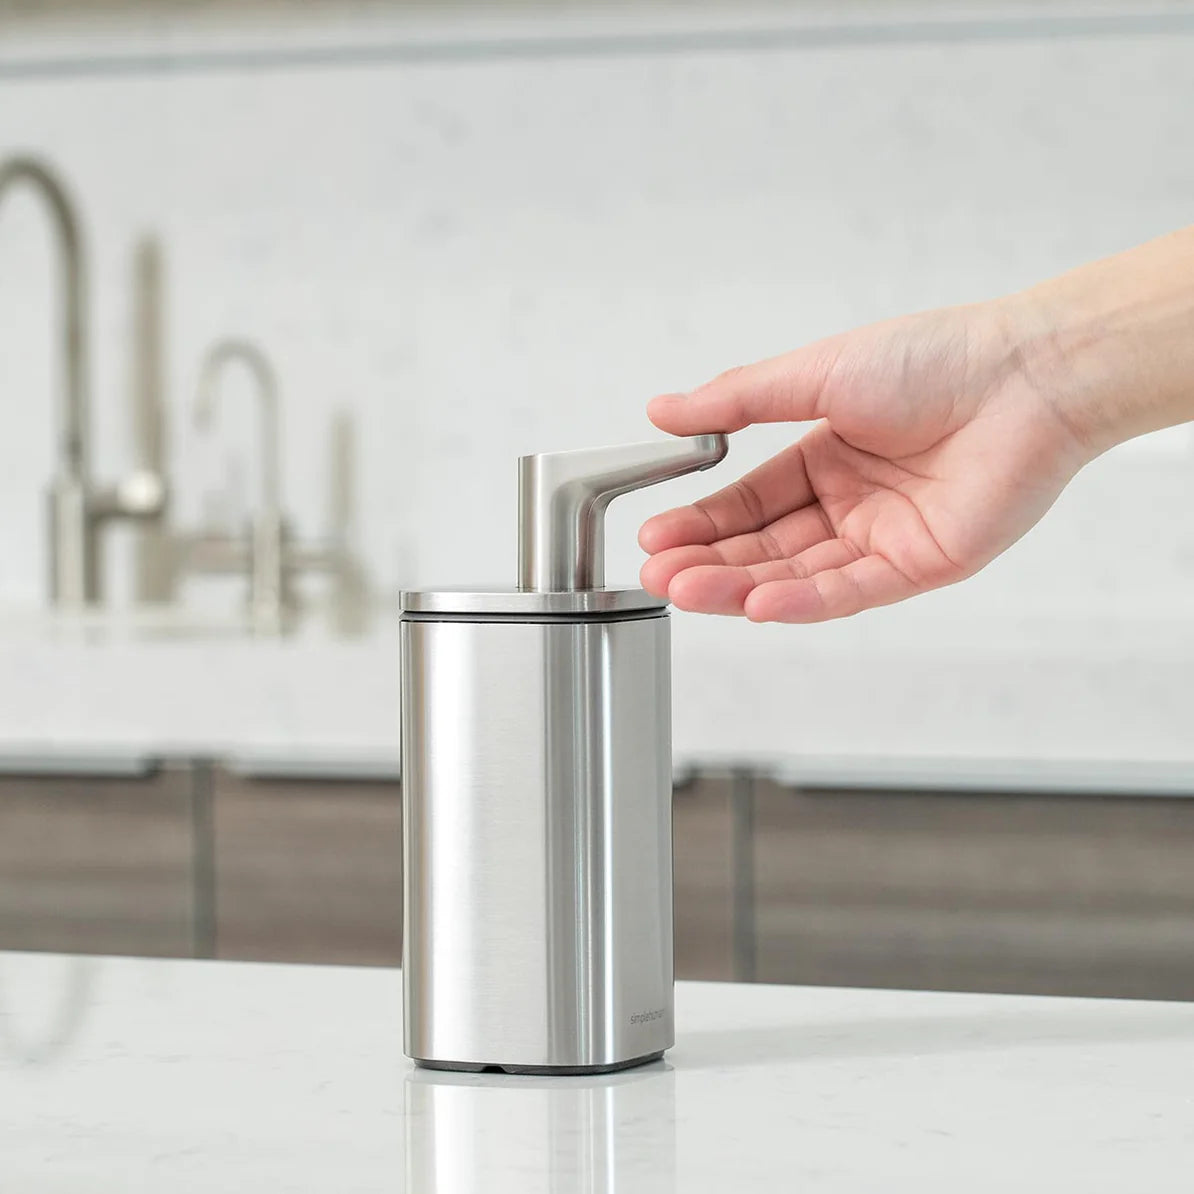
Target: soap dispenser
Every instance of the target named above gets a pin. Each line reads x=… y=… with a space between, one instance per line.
x=536 y=782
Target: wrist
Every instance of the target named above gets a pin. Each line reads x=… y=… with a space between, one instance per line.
x=1110 y=347
x=1053 y=354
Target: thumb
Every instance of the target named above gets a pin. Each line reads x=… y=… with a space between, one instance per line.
x=784 y=389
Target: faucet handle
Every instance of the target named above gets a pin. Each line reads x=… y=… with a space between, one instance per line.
x=140 y=494
x=562 y=498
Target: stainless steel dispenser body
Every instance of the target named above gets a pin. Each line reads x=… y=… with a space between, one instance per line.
x=537 y=815
x=536 y=778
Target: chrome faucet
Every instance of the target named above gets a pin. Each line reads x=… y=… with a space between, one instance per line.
x=267 y=532
x=350 y=596
x=269 y=553
x=78 y=510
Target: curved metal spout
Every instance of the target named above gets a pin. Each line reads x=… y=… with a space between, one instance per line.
x=72 y=429
x=267 y=595
x=562 y=498
x=223 y=353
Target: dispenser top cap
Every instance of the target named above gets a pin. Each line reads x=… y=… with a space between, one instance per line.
x=513 y=604
x=562 y=498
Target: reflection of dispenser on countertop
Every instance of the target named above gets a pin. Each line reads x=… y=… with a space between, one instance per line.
x=605 y=1134
x=536 y=756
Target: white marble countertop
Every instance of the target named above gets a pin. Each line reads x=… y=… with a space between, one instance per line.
x=1032 y=694
x=138 y=1075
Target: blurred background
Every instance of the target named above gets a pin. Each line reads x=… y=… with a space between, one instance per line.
x=285 y=288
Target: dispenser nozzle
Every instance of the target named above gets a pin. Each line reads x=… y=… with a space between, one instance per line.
x=562 y=498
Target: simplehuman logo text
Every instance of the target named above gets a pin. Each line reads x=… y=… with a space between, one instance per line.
x=647 y=1017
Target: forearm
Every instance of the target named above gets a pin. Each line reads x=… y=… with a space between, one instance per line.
x=1111 y=345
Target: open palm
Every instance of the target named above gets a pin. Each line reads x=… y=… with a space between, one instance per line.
x=932 y=453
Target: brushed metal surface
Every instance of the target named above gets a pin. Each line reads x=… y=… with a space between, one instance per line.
x=562 y=497
x=538 y=848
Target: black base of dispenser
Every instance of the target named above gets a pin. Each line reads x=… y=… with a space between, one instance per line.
x=563 y=1071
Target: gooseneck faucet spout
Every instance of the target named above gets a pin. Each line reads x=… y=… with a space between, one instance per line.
x=222 y=354
x=267 y=549
x=72 y=424
x=77 y=509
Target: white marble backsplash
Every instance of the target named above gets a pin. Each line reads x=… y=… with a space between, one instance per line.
x=484 y=256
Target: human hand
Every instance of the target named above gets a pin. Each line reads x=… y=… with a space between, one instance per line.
x=936 y=448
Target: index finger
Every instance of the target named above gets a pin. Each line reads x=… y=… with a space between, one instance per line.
x=784 y=389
